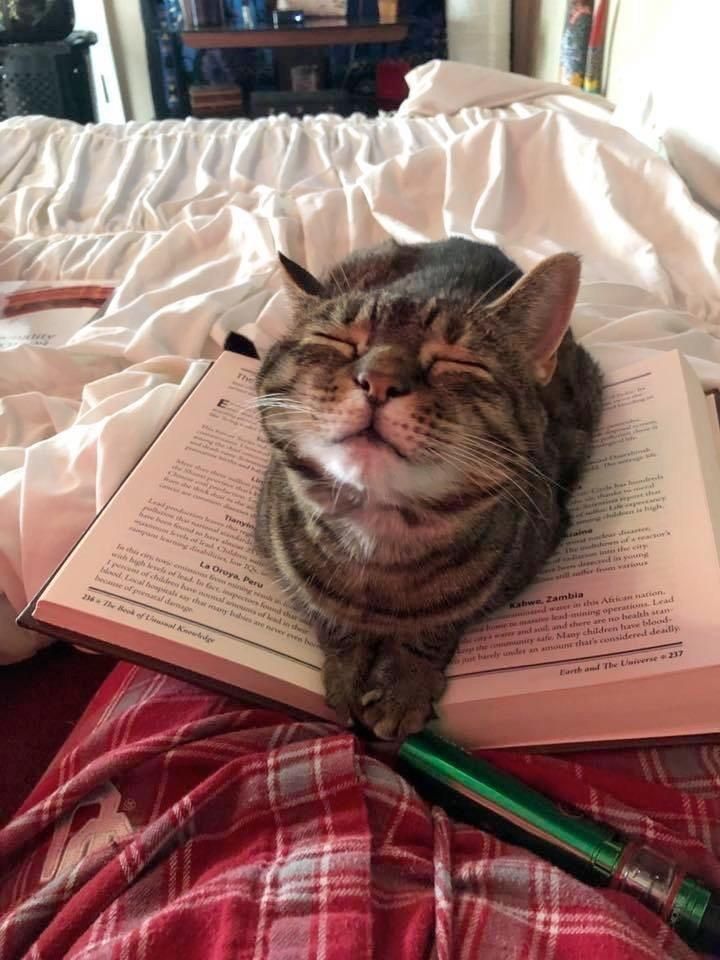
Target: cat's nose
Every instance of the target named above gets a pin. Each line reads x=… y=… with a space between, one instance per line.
x=381 y=387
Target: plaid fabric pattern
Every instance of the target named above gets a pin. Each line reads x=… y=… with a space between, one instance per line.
x=175 y=823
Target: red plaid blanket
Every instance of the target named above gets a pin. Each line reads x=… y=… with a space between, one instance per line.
x=174 y=823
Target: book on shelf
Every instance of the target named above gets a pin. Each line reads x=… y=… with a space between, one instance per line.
x=616 y=640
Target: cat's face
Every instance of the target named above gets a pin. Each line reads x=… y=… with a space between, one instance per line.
x=405 y=400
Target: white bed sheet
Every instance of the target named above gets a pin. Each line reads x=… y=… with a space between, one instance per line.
x=187 y=218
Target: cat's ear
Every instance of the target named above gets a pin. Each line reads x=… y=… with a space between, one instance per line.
x=300 y=283
x=540 y=306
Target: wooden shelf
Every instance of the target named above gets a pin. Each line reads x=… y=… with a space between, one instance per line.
x=321 y=32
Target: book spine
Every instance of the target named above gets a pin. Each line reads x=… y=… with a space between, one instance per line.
x=575 y=38
x=596 y=50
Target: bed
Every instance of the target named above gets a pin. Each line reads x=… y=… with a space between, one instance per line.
x=186 y=218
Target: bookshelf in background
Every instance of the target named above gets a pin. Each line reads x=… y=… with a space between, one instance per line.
x=349 y=76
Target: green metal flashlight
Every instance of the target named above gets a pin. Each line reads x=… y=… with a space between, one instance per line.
x=476 y=792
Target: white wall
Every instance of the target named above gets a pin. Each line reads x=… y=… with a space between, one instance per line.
x=667 y=45
x=478 y=31
x=109 y=103
x=121 y=74
x=128 y=35
x=648 y=42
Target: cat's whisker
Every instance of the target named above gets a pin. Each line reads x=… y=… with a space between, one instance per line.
x=290 y=415
x=337 y=488
x=453 y=463
x=283 y=405
x=345 y=276
x=464 y=464
x=518 y=468
x=292 y=425
x=484 y=296
x=484 y=438
x=507 y=477
x=293 y=408
x=288 y=412
x=448 y=453
x=262 y=398
x=263 y=405
x=520 y=459
x=298 y=417
x=275 y=396
x=281 y=421
x=269 y=399
x=503 y=493
x=253 y=402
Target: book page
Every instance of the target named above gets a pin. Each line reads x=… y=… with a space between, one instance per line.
x=173 y=552
x=634 y=589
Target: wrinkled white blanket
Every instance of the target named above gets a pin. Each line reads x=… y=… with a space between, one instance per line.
x=187 y=218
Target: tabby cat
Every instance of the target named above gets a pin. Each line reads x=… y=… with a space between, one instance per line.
x=429 y=413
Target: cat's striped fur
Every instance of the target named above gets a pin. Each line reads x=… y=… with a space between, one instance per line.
x=429 y=413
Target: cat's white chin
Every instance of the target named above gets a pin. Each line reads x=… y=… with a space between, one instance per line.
x=378 y=471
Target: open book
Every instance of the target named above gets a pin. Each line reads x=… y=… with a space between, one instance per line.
x=617 y=639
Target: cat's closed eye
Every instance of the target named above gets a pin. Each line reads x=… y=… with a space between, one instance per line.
x=346 y=347
x=439 y=365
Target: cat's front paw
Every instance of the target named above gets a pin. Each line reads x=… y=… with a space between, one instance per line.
x=344 y=675
x=340 y=688
x=400 y=693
